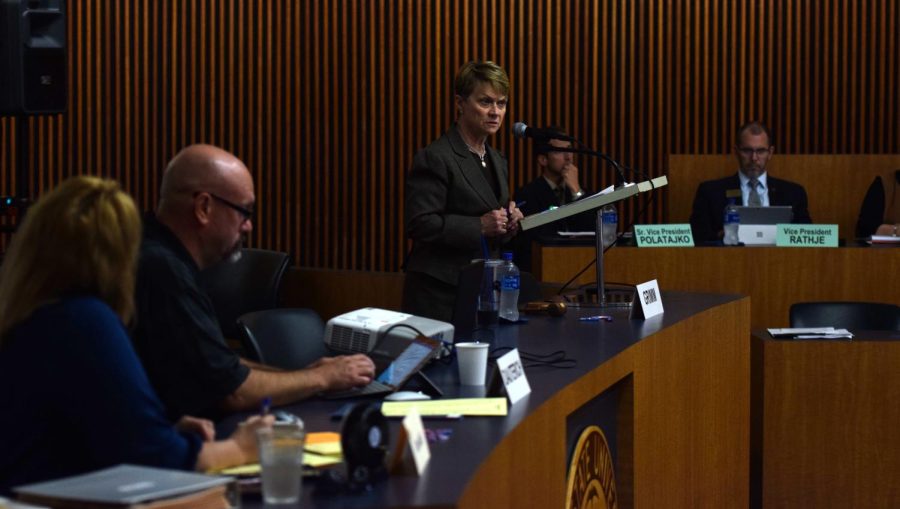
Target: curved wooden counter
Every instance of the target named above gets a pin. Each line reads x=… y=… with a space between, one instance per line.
x=672 y=393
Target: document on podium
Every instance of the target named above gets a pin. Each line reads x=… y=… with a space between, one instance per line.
x=590 y=203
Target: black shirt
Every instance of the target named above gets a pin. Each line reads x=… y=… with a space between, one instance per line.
x=535 y=197
x=177 y=335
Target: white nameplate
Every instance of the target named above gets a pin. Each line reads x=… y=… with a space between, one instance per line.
x=650 y=299
x=418 y=443
x=513 y=374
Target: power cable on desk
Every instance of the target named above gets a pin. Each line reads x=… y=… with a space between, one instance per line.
x=445 y=349
x=556 y=359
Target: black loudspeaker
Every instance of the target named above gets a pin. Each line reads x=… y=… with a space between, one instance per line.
x=32 y=57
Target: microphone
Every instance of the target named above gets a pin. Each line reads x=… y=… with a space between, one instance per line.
x=521 y=130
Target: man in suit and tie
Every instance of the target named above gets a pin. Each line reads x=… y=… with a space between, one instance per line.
x=751 y=186
x=458 y=205
x=557 y=185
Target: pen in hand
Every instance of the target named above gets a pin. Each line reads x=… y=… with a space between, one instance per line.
x=265 y=406
x=509 y=209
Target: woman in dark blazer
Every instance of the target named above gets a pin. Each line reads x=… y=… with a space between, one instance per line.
x=457 y=195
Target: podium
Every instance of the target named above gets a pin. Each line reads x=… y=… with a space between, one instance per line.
x=593 y=202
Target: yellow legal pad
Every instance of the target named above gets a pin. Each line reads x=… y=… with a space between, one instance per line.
x=463 y=406
x=322 y=449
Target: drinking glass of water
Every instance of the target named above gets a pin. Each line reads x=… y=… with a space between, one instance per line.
x=281 y=459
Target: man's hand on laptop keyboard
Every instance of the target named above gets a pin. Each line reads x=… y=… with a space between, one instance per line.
x=345 y=371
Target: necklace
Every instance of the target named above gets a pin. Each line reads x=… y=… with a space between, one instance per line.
x=480 y=154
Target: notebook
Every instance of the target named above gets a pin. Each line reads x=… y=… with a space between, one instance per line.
x=133 y=486
x=395 y=372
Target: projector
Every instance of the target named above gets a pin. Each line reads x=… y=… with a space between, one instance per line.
x=360 y=331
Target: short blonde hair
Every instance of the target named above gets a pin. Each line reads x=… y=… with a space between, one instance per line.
x=81 y=238
x=475 y=72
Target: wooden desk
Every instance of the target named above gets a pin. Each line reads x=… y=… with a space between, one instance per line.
x=834 y=183
x=774 y=278
x=825 y=427
x=682 y=416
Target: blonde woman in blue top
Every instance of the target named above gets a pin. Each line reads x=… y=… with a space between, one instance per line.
x=74 y=395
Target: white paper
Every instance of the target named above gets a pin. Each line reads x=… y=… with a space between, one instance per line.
x=650 y=298
x=513 y=373
x=811 y=333
x=800 y=330
x=418 y=443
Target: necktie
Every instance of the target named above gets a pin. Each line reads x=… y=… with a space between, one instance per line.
x=753 y=200
x=560 y=195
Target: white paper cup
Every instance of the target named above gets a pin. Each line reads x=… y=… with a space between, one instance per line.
x=281 y=458
x=472 y=359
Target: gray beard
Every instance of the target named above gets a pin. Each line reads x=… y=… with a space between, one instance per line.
x=235 y=256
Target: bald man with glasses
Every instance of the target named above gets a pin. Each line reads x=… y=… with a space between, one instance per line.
x=205 y=211
x=751 y=186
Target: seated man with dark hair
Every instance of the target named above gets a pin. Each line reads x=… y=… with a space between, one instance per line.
x=557 y=185
x=751 y=186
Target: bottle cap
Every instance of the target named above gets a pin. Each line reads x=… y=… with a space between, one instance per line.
x=507 y=256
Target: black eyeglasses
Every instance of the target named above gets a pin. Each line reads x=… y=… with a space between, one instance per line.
x=749 y=152
x=247 y=213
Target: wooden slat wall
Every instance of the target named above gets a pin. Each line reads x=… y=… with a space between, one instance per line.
x=328 y=100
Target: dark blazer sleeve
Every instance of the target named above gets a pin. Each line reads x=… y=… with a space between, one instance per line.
x=446 y=195
x=707 y=210
x=429 y=186
x=872 y=210
x=785 y=192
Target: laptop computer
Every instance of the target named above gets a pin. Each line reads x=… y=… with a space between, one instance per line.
x=392 y=373
x=757 y=227
x=781 y=214
x=467 y=289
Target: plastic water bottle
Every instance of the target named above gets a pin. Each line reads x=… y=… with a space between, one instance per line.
x=731 y=221
x=509 y=289
x=609 y=226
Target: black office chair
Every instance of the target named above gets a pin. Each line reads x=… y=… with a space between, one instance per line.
x=846 y=315
x=287 y=338
x=250 y=284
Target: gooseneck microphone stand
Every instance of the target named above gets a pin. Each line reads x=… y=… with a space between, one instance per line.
x=598 y=225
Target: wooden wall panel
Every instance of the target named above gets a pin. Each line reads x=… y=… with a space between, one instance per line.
x=328 y=100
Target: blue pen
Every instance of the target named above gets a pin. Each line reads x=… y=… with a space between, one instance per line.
x=518 y=204
x=265 y=405
x=509 y=210
x=595 y=318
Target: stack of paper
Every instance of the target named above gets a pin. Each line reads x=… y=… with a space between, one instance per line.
x=884 y=239
x=811 y=333
x=322 y=449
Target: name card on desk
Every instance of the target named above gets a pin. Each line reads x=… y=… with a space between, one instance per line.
x=412 y=434
x=807 y=235
x=513 y=374
x=650 y=299
x=418 y=444
x=664 y=235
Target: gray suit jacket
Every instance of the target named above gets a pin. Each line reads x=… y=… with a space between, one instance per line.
x=446 y=195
